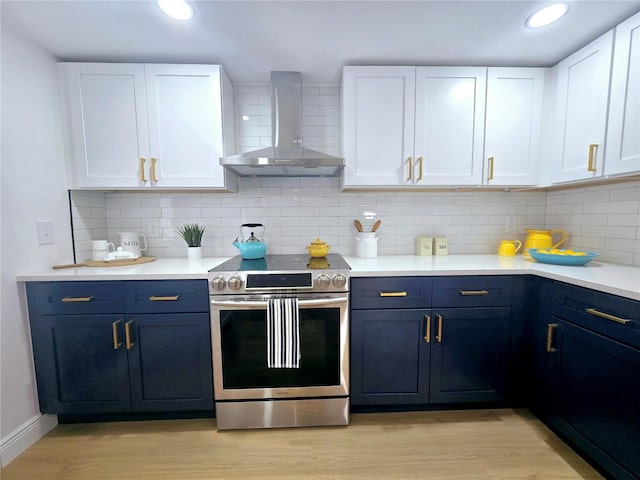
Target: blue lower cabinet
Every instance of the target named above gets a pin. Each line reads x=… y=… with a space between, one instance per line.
x=170 y=362
x=586 y=369
x=78 y=367
x=389 y=357
x=95 y=354
x=405 y=355
x=468 y=354
x=599 y=408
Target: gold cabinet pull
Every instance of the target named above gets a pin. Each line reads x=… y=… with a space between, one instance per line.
x=427 y=329
x=392 y=294
x=410 y=160
x=470 y=293
x=114 y=331
x=143 y=179
x=127 y=335
x=420 y=168
x=592 y=157
x=550 y=328
x=439 y=336
x=153 y=170
x=490 y=176
x=608 y=316
x=77 y=299
x=169 y=298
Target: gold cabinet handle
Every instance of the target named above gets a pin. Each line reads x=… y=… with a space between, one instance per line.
x=77 y=299
x=613 y=318
x=127 y=335
x=420 y=168
x=143 y=179
x=469 y=293
x=392 y=294
x=592 y=157
x=427 y=329
x=169 y=298
x=410 y=160
x=490 y=176
x=550 y=328
x=439 y=336
x=114 y=331
x=153 y=170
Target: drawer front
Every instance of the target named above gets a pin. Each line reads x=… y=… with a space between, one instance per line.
x=390 y=292
x=472 y=291
x=609 y=315
x=166 y=296
x=69 y=298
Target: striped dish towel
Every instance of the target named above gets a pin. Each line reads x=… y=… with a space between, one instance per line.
x=283 y=333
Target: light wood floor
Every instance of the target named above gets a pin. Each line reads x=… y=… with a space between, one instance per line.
x=464 y=445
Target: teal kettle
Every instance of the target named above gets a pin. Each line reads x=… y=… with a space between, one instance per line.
x=251 y=247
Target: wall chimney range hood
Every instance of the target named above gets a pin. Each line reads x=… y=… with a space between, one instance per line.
x=286 y=157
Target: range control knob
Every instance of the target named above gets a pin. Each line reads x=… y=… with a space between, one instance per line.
x=323 y=281
x=218 y=284
x=339 y=280
x=235 y=283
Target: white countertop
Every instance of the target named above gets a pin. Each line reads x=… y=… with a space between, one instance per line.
x=606 y=277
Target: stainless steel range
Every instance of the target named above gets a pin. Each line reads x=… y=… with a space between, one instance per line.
x=280 y=340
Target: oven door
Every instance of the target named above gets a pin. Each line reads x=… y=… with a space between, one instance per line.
x=239 y=343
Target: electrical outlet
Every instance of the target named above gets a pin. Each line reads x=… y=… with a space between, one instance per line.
x=511 y=224
x=153 y=229
x=45 y=233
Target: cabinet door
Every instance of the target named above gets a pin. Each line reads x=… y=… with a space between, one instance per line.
x=389 y=357
x=108 y=118
x=170 y=362
x=449 y=125
x=185 y=125
x=599 y=382
x=81 y=362
x=544 y=387
x=377 y=110
x=581 y=115
x=623 y=131
x=468 y=354
x=512 y=130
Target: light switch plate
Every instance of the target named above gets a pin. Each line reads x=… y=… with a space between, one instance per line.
x=45 y=233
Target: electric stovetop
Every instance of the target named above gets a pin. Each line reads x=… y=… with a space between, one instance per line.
x=283 y=263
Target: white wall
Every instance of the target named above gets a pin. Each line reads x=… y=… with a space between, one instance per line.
x=33 y=189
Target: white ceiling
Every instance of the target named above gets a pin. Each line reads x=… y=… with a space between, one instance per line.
x=252 y=38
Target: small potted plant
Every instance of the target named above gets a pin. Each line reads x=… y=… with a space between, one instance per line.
x=192 y=234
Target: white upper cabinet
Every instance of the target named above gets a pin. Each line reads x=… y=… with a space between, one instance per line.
x=408 y=126
x=140 y=126
x=513 y=122
x=623 y=133
x=378 y=110
x=578 y=136
x=449 y=126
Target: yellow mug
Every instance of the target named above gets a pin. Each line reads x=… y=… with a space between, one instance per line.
x=508 y=248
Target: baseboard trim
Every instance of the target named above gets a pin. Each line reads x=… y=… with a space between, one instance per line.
x=24 y=436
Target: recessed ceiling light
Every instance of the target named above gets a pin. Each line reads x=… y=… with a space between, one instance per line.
x=547 y=15
x=178 y=9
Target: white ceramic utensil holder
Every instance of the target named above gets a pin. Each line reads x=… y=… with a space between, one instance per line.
x=366 y=245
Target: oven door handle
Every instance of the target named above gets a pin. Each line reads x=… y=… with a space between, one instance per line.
x=263 y=303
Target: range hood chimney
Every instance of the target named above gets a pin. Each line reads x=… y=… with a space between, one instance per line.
x=286 y=157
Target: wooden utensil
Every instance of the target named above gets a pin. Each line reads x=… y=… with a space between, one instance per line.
x=358 y=225
x=112 y=263
x=376 y=225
